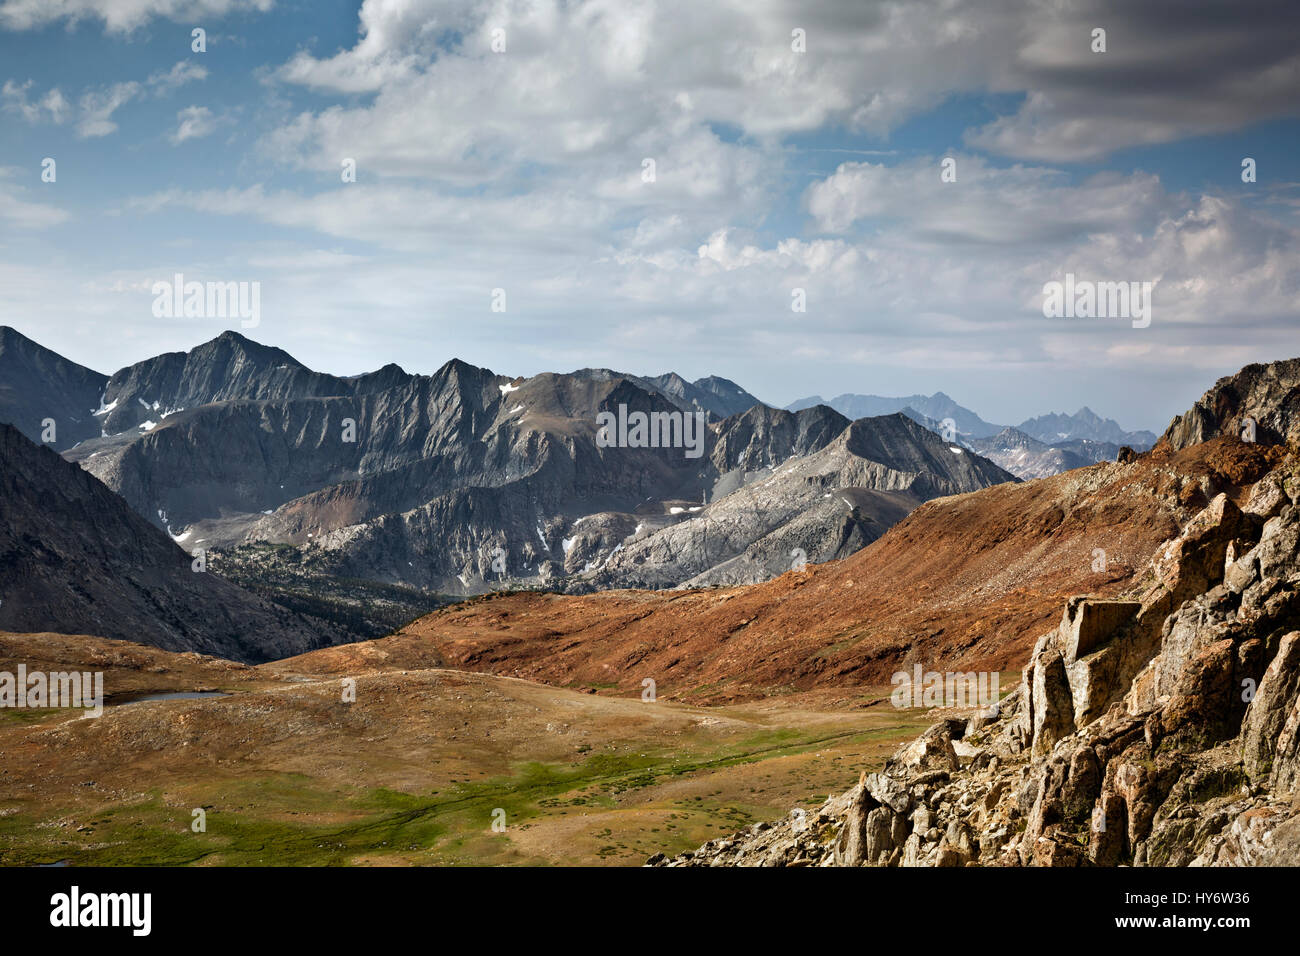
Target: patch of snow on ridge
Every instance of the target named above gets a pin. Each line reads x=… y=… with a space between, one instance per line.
x=148 y=426
x=507 y=388
x=593 y=565
x=105 y=409
x=567 y=544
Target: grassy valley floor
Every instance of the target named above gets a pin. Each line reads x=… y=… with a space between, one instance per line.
x=415 y=771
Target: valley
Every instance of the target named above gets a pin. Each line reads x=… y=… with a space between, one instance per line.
x=410 y=773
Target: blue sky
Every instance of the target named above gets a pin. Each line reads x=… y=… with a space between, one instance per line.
x=776 y=170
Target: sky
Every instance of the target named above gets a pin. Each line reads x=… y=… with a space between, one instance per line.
x=660 y=185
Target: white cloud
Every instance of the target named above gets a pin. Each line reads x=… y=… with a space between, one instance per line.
x=588 y=79
x=98 y=106
x=184 y=71
x=95 y=107
x=193 y=122
x=985 y=204
x=118 y=16
x=52 y=107
x=19 y=211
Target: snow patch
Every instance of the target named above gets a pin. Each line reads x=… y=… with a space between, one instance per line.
x=507 y=388
x=105 y=409
x=592 y=563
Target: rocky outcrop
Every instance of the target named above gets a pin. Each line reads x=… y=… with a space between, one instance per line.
x=1162 y=729
x=1267 y=395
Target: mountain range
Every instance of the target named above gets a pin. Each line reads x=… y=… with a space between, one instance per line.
x=1053 y=430
x=467 y=481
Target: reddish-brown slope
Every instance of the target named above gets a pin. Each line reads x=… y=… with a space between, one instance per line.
x=967 y=581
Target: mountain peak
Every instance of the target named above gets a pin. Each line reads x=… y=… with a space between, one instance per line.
x=230 y=339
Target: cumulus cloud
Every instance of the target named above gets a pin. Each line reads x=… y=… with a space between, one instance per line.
x=584 y=78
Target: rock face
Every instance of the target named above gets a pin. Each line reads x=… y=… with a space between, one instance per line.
x=1269 y=395
x=1162 y=729
x=37 y=385
x=74 y=559
x=798 y=508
